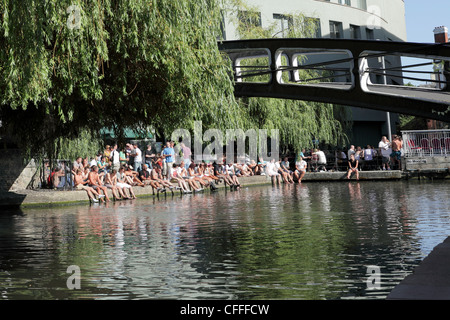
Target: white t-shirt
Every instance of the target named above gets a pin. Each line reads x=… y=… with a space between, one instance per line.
x=385 y=149
x=322 y=157
x=138 y=155
x=368 y=154
x=301 y=165
x=350 y=152
x=115 y=156
x=277 y=166
x=271 y=170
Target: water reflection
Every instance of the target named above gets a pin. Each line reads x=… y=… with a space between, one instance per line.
x=308 y=241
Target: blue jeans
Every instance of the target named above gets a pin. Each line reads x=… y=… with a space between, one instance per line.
x=187 y=163
x=137 y=166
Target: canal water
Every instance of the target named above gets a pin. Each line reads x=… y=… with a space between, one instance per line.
x=309 y=241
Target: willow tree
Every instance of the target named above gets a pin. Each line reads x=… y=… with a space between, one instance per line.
x=73 y=65
x=300 y=123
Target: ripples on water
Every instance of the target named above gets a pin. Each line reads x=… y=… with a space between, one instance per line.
x=310 y=241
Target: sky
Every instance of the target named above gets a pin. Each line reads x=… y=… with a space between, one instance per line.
x=422 y=16
x=421 y=19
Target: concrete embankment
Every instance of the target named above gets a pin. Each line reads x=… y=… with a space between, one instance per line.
x=38 y=197
x=430 y=280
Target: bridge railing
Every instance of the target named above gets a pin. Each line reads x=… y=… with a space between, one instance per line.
x=362 y=73
x=426 y=143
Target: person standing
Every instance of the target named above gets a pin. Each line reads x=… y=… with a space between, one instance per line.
x=169 y=155
x=137 y=158
x=115 y=158
x=321 y=161
x=351 y=151
x=186 y=155
x=396 y=154
x=385 y=148
x=149 y=156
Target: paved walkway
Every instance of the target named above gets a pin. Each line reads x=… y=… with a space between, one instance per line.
x=430 y=280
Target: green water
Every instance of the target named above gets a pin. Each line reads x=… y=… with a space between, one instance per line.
x=309 y=241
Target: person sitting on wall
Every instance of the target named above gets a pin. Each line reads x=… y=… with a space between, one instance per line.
x=156 y=175
x=95 y=182
x=353 y=167
x=122 y=182
x=272 y=172
x=176 y=175
x=54 y=178
x=300 y=169
x=144 y=176
x=80 y=184
x=133 y=176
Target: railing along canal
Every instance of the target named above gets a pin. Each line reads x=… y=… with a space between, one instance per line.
x=426 y=143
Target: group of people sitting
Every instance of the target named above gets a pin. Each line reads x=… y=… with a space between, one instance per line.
x=120 y=171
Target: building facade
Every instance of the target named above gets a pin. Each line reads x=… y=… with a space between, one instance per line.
x=340 y=19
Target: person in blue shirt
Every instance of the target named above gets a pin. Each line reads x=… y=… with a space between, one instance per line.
x=169 y=155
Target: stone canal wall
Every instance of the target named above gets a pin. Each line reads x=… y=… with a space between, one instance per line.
x=15 y=173
x=427 y=163
x=46 y=197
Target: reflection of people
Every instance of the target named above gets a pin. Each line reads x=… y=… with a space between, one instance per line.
x=352 y=167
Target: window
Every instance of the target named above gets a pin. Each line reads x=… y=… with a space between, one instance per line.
x=249 y=18
x=361 y=4
x=223 y=34
x=335 y=30
x=369 y=34
x=346 y=2
x=316 y=23
x=355 y=32
x=285 y=23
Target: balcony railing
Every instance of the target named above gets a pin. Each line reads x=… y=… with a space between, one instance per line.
x=426 y=143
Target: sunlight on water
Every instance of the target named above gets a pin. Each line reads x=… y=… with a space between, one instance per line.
x=310 y=241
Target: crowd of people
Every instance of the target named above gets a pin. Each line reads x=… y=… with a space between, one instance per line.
x=121 y=170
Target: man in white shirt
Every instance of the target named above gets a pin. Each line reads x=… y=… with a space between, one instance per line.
x=115 y=158
x=300 y=169
x=137 y=158
x=350 y=151
x=385 y=147
x=272 y=172
x=322 y=162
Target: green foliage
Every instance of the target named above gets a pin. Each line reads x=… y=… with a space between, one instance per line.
x=69 y=68
x=299 y=122
x=131 y=64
